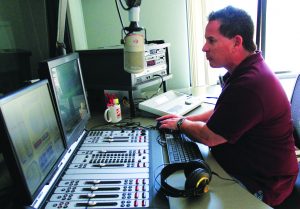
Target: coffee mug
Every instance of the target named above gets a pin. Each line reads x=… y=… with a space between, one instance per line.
x=113 y=114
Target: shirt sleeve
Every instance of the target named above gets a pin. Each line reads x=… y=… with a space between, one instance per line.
x=236 y=112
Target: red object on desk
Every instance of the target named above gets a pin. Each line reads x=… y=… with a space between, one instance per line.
x=109 y=99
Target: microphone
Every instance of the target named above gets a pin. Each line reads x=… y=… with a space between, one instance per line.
x=134 y=53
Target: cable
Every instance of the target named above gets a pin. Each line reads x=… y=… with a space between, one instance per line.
x=128 y=8
x=99 y=126
x=162 y=79
x=121 y=125
x=158 y=90
x=133 y=125
x=225 y=179
x=162 y=142
x=123 y=28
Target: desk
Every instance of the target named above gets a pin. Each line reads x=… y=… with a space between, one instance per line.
x=222 y=194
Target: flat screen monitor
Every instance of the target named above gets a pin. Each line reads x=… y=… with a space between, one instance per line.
x=64 y=75
x=31 y=139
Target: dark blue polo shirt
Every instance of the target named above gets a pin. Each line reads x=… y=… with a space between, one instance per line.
x=253 y=114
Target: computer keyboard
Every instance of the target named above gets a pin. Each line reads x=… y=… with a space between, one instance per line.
x=180 y=149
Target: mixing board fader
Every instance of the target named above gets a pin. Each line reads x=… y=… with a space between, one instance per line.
x=111 y=169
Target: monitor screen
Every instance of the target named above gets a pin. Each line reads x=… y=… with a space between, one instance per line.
x=31 y=139
x=64 y=74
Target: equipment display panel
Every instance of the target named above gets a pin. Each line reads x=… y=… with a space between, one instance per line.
x=32 y=141
x=64 y=74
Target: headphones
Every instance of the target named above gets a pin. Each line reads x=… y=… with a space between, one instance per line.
x=198 y=175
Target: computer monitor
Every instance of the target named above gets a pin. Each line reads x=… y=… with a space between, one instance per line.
x=30 y=137
x=64 y=75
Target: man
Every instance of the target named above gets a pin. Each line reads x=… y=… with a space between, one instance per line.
x=250 y=130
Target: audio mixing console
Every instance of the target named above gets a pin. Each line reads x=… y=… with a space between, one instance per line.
x=111 y=169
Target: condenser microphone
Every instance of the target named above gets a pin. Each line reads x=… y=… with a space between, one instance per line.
x=134 y=53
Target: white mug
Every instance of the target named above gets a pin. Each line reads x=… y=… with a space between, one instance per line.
x=113 y=114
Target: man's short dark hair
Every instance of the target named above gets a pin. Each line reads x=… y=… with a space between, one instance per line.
x=234 y=22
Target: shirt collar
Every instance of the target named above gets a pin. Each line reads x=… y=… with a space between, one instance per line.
x=251 y=59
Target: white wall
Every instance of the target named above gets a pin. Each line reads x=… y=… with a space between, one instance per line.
x=163 y=19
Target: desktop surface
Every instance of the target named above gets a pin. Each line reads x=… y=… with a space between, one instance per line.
x=222 y=194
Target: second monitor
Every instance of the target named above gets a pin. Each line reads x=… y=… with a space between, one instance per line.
x=64 y=75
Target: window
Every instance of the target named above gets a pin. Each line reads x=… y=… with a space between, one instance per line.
x=282 y=36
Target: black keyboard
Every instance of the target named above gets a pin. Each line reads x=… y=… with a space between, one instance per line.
x=181 y=149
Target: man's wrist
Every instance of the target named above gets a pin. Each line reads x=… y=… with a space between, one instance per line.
x=179 y=123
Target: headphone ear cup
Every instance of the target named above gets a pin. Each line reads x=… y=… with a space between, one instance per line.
x=193 y=165
x=188 y=170
x=197 y=182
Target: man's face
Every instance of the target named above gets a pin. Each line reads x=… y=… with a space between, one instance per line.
x=217 y=47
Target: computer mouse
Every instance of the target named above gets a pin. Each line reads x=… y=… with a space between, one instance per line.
x=188 y=102
x=158 y=124
x=162 y=130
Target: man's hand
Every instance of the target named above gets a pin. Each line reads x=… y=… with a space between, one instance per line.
x=168 y=121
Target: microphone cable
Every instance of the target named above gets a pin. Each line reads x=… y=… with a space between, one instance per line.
x=159 y=88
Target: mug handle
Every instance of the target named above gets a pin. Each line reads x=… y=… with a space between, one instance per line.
x=106 y=115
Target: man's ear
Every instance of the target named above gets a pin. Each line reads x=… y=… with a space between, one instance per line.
x=238 y=40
